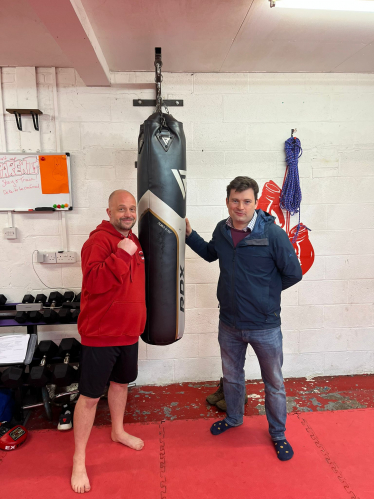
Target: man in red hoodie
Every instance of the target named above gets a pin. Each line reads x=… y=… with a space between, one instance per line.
x=113 y=315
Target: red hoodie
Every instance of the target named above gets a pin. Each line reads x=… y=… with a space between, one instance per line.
x=113 y=311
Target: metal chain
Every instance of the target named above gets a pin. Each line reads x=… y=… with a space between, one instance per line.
x=159 y=102
x=158 y=80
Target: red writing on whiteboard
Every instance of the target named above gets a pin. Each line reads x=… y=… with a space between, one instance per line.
x=24 y=188
x=13 y=185
x=16 y=167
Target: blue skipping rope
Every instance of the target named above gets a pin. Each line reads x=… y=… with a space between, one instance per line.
x=290 y=197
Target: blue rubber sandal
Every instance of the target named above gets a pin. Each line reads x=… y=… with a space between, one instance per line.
x=283 y=449
x=220 y=427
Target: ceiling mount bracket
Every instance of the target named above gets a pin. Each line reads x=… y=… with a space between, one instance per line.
x=34 y=113
x=159 y=102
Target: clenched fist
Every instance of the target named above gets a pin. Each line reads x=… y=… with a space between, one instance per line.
x=128 y=245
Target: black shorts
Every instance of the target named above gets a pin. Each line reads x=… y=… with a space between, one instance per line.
x=99 y=365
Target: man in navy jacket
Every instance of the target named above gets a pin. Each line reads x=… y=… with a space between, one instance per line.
x=257 y=262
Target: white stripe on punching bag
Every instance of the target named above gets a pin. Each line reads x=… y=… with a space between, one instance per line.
x=167 y=216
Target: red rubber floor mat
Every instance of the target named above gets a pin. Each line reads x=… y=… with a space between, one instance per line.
x=41 y=467
x=346 y=441
x=242 y=463
x=182 y=460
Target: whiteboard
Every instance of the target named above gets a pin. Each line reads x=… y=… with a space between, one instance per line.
x=29 y=182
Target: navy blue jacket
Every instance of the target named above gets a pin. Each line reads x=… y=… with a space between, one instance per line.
x=252 y=275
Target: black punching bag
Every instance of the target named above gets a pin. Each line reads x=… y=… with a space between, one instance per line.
x=162 y=226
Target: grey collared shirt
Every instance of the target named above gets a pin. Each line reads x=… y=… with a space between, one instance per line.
x=249 y=227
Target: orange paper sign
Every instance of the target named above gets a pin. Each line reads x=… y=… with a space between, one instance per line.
x=54 y=174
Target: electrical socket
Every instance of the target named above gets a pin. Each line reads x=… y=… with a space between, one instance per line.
x=39 y=257
x=10 y=232
x=56 y=257
x=50 y=257
x=66 y=257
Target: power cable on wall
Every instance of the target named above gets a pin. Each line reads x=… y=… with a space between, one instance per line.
x=37 y=275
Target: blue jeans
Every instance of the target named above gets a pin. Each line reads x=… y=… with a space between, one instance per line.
x=267 y=345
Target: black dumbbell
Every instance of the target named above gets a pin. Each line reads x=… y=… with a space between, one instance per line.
x=77 y=298
x=21 y=316
x=50 y=316
x=74 y=314
x=41 y=299
x=28 y=299
x=12 y=377
x=72 y=347
x=69 y=300
x=65 y=374
x=3 y=299
x=69 y=296
x=40 y=375
x=56 y=298
x=64 y=315
x=36 y=316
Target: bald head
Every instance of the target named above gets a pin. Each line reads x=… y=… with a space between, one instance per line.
x=122 y=210
x=119 y=193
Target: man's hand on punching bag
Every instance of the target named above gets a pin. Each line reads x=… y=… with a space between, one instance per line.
x=128 y=245
x=188 y=228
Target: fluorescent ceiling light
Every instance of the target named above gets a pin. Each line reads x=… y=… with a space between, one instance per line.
x=347 y=5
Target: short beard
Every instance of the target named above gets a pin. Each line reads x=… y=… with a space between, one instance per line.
x=119 y=226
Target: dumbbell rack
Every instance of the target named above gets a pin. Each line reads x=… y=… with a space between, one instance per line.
x=32 y=329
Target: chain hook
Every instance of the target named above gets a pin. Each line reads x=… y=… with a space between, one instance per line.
x=158 y=79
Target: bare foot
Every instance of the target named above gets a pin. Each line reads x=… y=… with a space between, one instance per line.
x=129 y=440
x=79 y=479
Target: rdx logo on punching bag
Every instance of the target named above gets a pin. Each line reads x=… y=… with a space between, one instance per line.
x=181 y=288
x=180 y=176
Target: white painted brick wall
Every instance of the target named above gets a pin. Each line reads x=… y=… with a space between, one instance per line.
x=235 y=124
